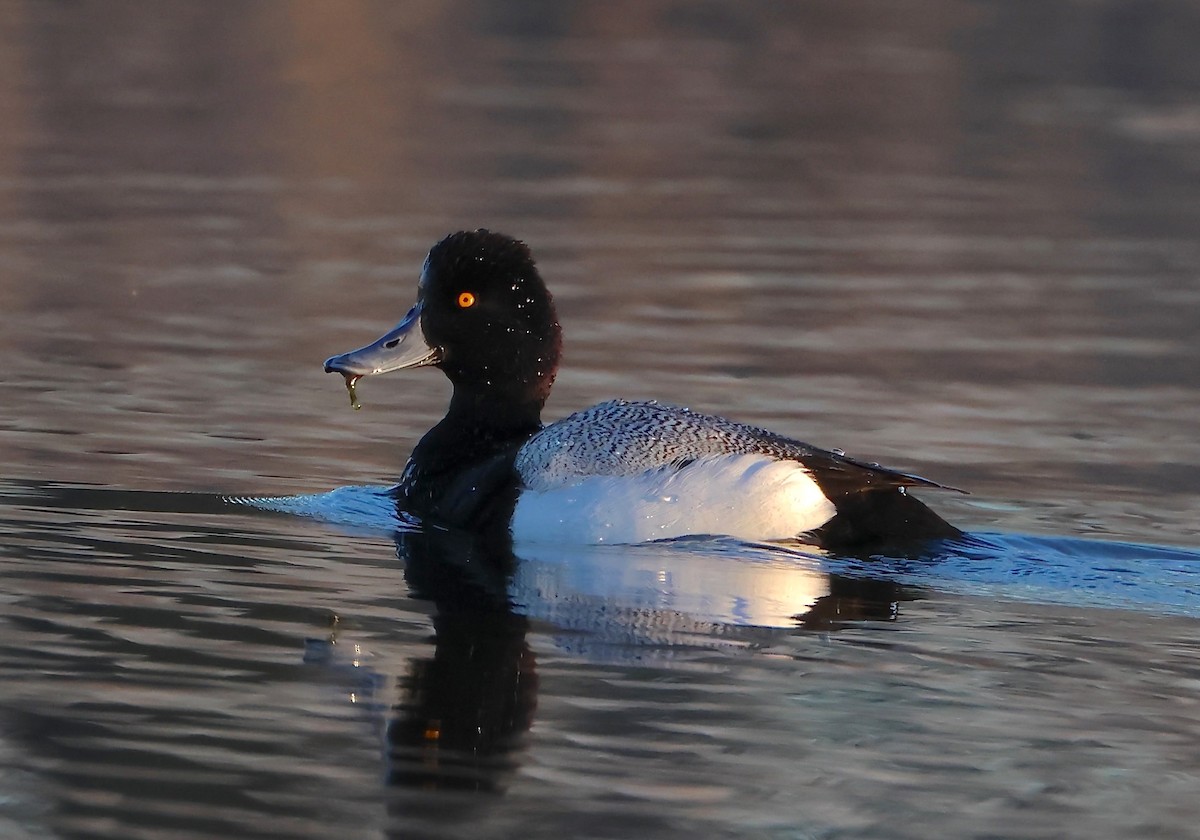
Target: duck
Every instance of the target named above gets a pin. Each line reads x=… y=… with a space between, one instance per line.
x=617 y=472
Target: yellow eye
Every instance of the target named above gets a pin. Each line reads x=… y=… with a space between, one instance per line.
x=466 y=300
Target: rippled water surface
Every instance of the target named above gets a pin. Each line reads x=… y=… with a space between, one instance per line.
x=958 y=238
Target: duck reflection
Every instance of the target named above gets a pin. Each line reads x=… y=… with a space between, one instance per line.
x=463 y=713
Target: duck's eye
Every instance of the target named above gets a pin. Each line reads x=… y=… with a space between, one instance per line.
x=466 y=300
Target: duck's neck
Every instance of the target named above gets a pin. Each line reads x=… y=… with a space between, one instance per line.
x=463 y=464
x=494 y=413
x=478 y=425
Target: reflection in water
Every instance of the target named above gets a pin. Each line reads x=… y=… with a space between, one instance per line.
x=464 y=709
x=462 y=713
x=175 y=625
x=623 y=602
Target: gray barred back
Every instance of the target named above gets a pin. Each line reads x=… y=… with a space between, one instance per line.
x=620 y=438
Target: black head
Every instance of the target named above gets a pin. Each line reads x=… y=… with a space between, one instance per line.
x=483 y=316
x=485 y=307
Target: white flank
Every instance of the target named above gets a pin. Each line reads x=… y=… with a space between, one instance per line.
x=750 y=497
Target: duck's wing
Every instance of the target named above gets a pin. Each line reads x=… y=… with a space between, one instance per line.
x=620 y=438
x=840 y=475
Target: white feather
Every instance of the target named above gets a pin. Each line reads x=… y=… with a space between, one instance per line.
x=751 y=497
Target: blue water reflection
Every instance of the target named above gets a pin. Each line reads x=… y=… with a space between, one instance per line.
x=462 y=714
x=730 y=583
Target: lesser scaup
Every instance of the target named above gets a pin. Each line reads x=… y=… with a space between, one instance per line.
x=616 y=472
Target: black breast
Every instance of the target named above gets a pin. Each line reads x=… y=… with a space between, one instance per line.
x=462 y=478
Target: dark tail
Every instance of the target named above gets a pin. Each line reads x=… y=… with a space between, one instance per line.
x=881 y=522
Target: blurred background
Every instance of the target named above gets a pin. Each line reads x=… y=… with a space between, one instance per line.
x=955 y=236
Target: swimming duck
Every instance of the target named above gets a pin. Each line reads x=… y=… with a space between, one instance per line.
x=617 y=472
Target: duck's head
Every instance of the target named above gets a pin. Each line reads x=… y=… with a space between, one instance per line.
x=482 y=315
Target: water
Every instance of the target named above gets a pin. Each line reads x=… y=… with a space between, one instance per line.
x=957 y=238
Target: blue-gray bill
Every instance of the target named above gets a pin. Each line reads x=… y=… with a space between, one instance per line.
x=399 y=348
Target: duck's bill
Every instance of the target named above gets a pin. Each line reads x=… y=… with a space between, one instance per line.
x=403 y=347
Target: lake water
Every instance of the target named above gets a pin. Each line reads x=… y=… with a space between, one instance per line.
x=955 y=237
